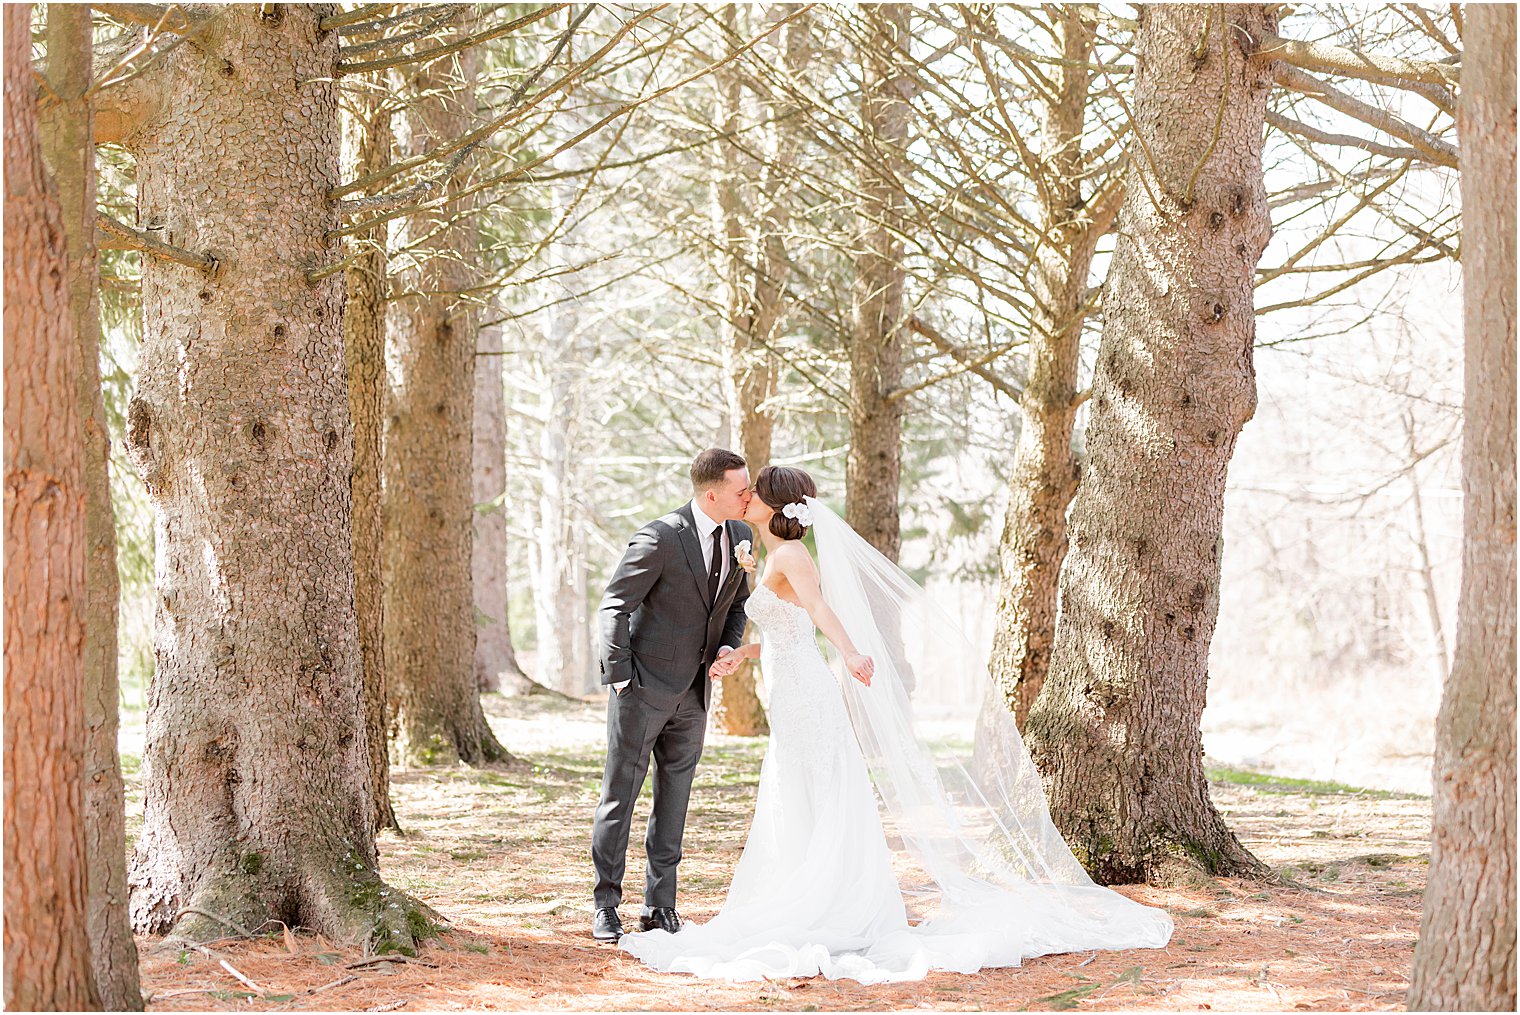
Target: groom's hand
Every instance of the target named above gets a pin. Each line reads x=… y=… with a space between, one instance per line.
x=725 y=664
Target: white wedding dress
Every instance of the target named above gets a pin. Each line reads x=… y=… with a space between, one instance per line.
x=814 y=892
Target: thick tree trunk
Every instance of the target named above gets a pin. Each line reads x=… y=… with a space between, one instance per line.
x=47 y=939
x=1116 y=729
x=70 y=144
x=749 y=367
x=259 y=804
x=364 y=358
x=496 y=667
x=1465 y=959
x=1044 y=473
x=873 y=467
x=429 y=452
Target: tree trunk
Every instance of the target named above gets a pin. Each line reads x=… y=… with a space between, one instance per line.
x=749 y=366
x=1116 y=730
x=47 y=939
x=259 y=803
x=873 y=466
x=558 y=554
x=429 y=451
x=496 y=667
x=1044 y=474
x=70 y=144
x=1465 y=959
x=364 y=358
x=558 y=619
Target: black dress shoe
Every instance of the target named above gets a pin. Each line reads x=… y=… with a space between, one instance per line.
x=663 y=918
x=605 y=925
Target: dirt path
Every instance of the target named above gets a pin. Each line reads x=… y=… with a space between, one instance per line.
x=503 y=854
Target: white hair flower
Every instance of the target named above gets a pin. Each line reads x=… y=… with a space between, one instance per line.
x=799 y=512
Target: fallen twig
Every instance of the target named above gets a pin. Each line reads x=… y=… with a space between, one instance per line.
x=340 y=981
x=374 y=959
x=389 y=1005
x=241 y=978
x=178 y=993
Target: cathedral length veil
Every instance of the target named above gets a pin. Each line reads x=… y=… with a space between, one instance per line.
x=1000 y=881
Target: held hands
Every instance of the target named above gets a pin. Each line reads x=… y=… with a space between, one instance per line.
x=727 y=662
x=860 y=667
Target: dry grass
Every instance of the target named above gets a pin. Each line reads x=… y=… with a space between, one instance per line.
x=504 y=854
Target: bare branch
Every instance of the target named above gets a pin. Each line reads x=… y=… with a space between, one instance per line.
x=354 y=16
x=467 y=142
x=1292 y=126
x=453 y=47
x=1433 y=148
x=1383 y=70
x=156 y=16
x=438 y=17
x=118 y=236
x=977 y=364
x=622 y=110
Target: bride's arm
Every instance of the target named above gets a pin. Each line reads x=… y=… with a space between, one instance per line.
x=797 y=565
x=729 y=661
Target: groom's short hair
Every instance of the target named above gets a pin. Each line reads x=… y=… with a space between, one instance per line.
x=709 y=468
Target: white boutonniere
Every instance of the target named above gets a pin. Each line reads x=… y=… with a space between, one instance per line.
x=743 y=557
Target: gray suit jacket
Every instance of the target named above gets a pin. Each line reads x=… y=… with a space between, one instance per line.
x=655 y=625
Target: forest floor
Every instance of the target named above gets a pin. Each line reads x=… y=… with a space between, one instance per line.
x=503 y=854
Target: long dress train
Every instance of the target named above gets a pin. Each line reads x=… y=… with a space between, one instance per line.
x=814 y=891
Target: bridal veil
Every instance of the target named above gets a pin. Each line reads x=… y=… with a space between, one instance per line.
x=995 y=881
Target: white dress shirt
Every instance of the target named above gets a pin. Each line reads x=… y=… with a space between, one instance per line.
x=709 y=531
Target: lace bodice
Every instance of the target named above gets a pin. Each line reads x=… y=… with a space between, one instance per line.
x=779 y=619
x=789 y=650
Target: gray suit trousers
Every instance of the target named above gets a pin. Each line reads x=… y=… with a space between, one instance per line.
x=641 y=727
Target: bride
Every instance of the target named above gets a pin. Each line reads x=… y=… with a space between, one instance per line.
x=815 y=891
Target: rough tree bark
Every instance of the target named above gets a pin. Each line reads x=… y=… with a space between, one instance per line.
x=259 y=803
x=1116 y=730
x=873 y=466
x=47 y=942
x=1465 y=959
x=364 y=358
x=496 y=666
x=1044 y=474
x=429 y=451
x=69 y=146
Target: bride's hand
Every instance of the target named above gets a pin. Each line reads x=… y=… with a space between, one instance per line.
x=724 y=665
x=860 y=667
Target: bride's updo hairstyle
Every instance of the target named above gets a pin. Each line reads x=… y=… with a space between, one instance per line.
x=779 y=486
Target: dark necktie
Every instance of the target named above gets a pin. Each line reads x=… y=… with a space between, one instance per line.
x=715 y=570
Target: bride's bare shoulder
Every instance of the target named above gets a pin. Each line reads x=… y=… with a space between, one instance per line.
x=792 y=553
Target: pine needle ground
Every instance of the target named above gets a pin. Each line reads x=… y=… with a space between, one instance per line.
x=503 y=854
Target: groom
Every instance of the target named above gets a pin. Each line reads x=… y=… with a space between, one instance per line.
x=674 y=605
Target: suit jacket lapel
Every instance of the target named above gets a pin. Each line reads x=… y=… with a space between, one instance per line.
x=691 y=542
